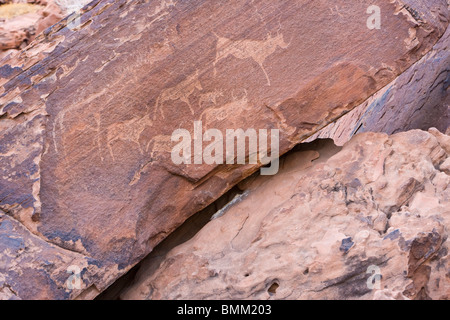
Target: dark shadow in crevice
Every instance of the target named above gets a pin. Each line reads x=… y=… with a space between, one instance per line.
x=194 y=224
x=181 y=235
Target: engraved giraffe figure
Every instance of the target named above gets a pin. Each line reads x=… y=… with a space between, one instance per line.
x=129 y=130
x=259 y=51
x=181 y=91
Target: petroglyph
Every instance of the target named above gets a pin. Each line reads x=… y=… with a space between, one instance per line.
x=181 y=91
x=161 y=144
x=130 y=130
x=210 y=97
x=227 y=111
x=59 y=121
x=259 y=51
x=85 y=127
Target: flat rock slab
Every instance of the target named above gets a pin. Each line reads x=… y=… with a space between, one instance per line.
x=88 y=110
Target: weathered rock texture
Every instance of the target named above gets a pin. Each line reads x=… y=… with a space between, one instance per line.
x=418 y=99
x=87 y=113
x=17 y=32
x=320 y=227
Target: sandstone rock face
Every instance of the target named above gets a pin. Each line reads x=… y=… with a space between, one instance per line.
x=418 y=99
x=368 y=221
x=17 y=32
x=87 y=113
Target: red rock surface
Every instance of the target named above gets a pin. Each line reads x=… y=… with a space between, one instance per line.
x=86 y=116
x=17 y=32
x=418 y=99
x=319 y=228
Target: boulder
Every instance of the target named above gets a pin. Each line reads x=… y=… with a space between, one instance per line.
x=18 y=31
x=30 y=19
x=88 y=110
x=369 y=220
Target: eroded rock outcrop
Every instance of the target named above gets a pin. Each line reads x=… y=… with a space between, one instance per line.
x=25 y=21
x=28 y=19
x=418 y=99
x=368 y=221
x=87 y=114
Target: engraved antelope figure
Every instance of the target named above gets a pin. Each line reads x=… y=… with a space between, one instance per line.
x=222 y=113
x=129 y=130
x=259 y=51
x=181 y=91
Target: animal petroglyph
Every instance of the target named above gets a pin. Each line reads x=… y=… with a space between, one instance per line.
x=259 y=51
x=210 y=97
x=238 y=106
x=130 y=130
x=181 y=91
x=58 y=124
x=161 y=144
